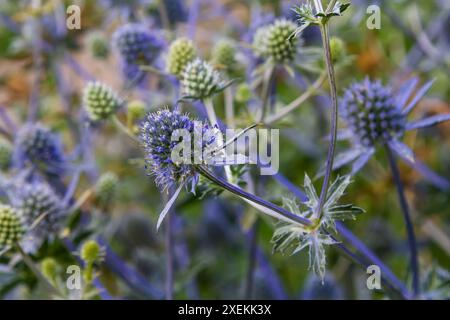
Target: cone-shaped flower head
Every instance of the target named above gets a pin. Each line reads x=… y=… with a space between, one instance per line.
x=275 y=41
x=38 y=201
x=136 y=46
x=156 y=136
x=98 y=45
x=371 y=112
x=224 y=54
x=100 y=101
x=35 y=143
x=106 y=187
x=200 y=80
x=91 y=252
x=181 y=52
x=11 y=229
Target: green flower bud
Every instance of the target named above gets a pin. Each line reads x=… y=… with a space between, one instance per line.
x=106 y=187
x=275 y=41
x=337 y=48
x=11 y=228
x=181 y=52
x=101 y=101
x=49 y=268
x=224 y=55
x=200 y=80
x=243 y=93
x=91 y=252
x=136 y=109
x=98 y=45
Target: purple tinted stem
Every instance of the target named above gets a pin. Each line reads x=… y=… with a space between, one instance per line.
x=334 y=117
x=412 y=243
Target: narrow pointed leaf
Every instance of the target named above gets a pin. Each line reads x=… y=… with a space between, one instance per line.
x=401 y=149
x=168 y=205
x=405 y=91
x=422 y=91
x=427 y=122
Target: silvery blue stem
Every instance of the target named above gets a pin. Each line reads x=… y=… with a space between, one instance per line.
x=193 y=17
x=77 y=68
x=412 y=243
x=251 y=197
x=334 y=117
x=169 y=256
x=389 y=278
x=38 y=70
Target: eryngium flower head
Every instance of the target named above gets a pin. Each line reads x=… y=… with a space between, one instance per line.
x=181 y=52
x=91 y=252
x=38 y=145
x=200 y=80
x=156 y=134
x=106 y=187
x=5 y=155
x=136 y=46
x=371 y=112
x=224 y=54
x=11 y=229
x=275 y=41
x=38 y=201
x=100 y=101
x=98 y=45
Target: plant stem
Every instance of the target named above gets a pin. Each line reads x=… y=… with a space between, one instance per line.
x=170 y=257
x=163 y=13
x=124 y=129
x=408 y=222
x=229 y=108
x=334 y=117
x=280 y=212
x=267 y=80
x=30 y=264
x=210 y=111
x=252 y=261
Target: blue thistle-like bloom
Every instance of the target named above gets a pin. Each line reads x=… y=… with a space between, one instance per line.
x=377 y=115
x=370 y=110
x=136 y=46
x=38 y=145
x=156 y=134
x=39 y=201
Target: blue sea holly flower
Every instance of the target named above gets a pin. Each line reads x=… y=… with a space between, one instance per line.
x=375 y=115
x=41 y=209
x=136 y=46
x=293 y=238
x=156 y=135
x=37 y=145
